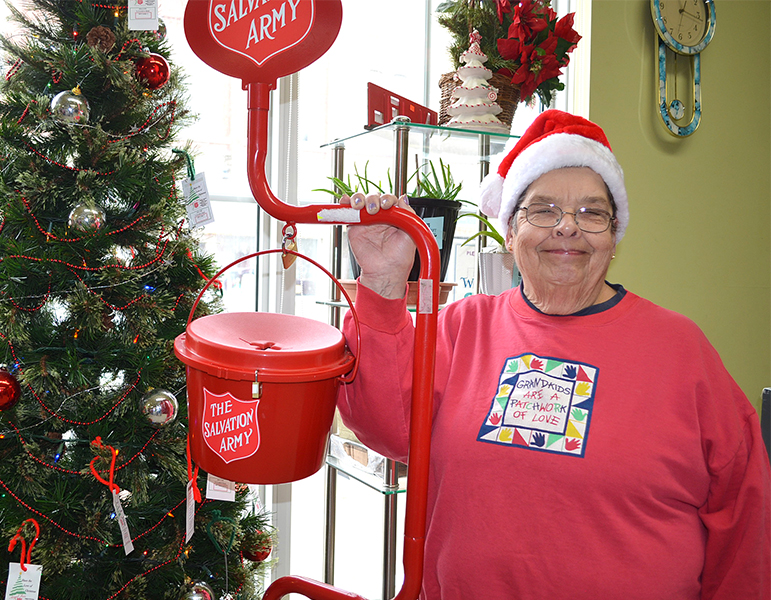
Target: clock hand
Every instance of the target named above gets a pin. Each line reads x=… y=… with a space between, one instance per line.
x=694 y=17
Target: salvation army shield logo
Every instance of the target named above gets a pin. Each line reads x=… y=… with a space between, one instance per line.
x=230 y=426
x=260 y=30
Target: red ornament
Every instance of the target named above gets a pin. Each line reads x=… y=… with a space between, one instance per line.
x=257 y=554
x=261 y=550
x=10 y=390
x=153 y=71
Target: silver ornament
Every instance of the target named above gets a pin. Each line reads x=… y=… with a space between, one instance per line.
x=198 y=591
x=69 y=107
x=160 y=407
x=160 y=33
x=87 y=218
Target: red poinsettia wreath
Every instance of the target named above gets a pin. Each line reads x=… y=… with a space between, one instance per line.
x=537 y=46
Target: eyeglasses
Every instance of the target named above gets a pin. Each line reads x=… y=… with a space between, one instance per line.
x=590 y=220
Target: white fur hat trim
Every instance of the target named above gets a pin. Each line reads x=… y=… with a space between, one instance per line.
x=499 y=197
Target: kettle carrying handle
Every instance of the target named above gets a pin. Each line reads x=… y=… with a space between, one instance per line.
x=344 y=379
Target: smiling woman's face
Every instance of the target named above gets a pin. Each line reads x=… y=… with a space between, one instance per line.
x=563 y=260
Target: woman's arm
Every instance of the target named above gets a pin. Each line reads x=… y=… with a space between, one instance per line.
x=376 y=405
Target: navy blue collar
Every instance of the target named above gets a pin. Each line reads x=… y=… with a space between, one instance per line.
x=589 y=310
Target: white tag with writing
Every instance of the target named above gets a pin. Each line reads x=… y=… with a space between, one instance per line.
x=143 y=15
x=190 y=515
x=23 y=585
x=128 y=546
x=425 y=296
x=199 y=212
x=220 y=489
x=256 y=497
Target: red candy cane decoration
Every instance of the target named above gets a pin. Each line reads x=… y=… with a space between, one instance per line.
x=97 y=443
x=26 y=557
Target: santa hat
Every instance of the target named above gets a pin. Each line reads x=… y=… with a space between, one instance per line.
x=554 y=140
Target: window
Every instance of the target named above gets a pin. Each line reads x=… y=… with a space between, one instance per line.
x=395 y=45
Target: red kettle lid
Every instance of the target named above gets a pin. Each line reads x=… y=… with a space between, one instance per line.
x=278 y=347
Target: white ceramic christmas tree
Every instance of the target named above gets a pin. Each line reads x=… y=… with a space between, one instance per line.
x=474 y=105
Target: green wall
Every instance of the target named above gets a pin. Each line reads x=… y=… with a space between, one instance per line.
x=698 y=240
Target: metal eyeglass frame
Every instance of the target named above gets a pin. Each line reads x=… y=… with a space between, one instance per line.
x=581 y=210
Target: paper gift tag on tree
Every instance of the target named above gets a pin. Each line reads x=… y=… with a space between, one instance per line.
x=128 y=546
x=199 y=212
x=23 y=585
x=143 y=15
x=220 y=489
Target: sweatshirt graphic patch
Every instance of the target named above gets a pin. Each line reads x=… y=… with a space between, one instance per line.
x=542 y=403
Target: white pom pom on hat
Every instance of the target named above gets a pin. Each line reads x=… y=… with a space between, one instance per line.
x=554 y=140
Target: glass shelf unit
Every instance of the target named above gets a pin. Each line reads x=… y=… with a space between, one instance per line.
x=400 y=147
x=390 y=154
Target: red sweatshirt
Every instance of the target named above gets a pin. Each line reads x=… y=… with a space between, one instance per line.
x=595 y=457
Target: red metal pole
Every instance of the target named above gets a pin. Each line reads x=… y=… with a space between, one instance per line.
x=425 y=347
x=307 y=587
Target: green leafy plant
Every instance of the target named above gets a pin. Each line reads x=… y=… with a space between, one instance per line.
x=430 y=185
x=490 y=231
x=361 y=182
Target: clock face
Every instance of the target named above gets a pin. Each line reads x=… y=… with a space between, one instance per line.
x=686 y=26
x=685 y=20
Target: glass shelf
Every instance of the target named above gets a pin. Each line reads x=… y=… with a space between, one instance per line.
x=389 y=156
x=371 y=473
x=430 y=130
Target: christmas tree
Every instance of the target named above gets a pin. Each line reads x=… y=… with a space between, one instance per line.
x=99 y=271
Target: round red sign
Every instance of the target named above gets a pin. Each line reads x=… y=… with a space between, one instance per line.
x=261 y=40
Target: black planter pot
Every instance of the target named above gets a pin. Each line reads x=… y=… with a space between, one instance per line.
x=440 y=216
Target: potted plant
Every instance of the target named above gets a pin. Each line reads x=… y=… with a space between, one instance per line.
x=526 y=45
x=434 y=199
x=361 y=182
x=497 y=270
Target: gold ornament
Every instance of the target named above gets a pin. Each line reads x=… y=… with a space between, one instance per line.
x=288 y=259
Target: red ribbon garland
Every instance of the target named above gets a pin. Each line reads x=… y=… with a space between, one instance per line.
x=26 y=557
x=97 y=443
x=216 y=284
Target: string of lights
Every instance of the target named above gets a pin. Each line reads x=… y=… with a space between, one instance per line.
x=55 y=413
x=140 y=275
x=56 y=467
x=38 y=307
x=103 y=301
x=92 y=538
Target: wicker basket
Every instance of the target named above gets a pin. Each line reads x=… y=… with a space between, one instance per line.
x=508 y=96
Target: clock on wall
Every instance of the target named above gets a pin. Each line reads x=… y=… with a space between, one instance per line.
x=684 y=28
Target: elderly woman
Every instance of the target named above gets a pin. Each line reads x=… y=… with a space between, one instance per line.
x=586 y=443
